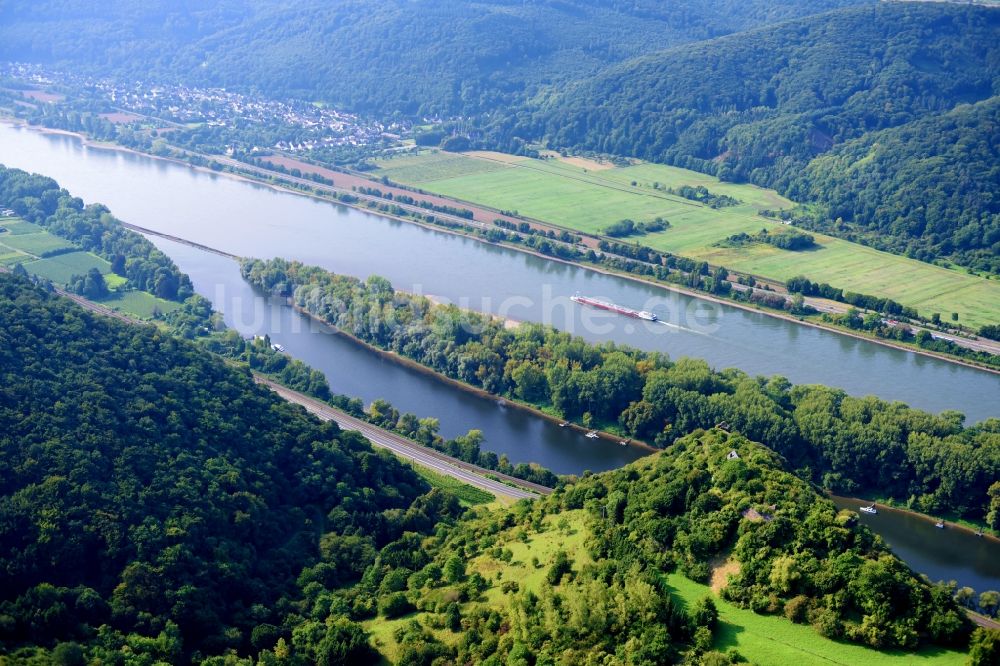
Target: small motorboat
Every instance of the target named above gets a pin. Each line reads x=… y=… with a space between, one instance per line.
x=870 y=509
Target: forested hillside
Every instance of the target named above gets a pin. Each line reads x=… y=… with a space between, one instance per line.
x=425 y=57
x=761 y=105
x=926 y=189
x=154 y=501
x=582 y=576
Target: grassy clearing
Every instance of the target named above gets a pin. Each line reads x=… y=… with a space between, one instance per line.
x=468 y=495
x=139 y=303
x=115 y=281
x=433 y=165
x=563 y=532
x=574 y=197
x=61 y=268
x=768 y=639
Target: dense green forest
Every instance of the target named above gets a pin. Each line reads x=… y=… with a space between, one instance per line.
x=848 y=444
x=418 y=58
x=759 y=106
x=926 y=189
x=154 y=500
x=610 y=601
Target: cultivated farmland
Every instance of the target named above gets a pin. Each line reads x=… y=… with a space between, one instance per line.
x=39 y=244
x=589 y=200
x=61 y=268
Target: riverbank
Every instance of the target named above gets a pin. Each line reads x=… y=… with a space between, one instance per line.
x=271 y=184
x=468 y=388
x=952 y=523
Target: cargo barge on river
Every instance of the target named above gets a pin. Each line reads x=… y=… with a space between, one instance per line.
x=612 y=307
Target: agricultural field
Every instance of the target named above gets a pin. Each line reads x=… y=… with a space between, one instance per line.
x=571 y=196
x=10 y=257
x=23 y=243
x=61 y=268
x=39 y=244
x=435 y=165
x=139 y=303
x=17 y=227
x=769 y=639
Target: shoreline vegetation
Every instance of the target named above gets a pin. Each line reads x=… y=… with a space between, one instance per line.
x=274 y=181
x=509 y=401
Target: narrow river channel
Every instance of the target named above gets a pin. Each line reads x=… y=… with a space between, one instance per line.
x=949 y=553
x=256 y=221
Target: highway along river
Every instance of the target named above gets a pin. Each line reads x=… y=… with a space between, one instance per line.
x=256 y=221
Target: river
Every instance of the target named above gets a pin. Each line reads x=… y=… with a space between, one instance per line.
x=252 y=220
x=943 y=554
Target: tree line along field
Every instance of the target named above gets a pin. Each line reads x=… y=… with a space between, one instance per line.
x=27 y=244
x=589 y=200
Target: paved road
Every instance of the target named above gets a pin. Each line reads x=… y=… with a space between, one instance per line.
x=439 y=462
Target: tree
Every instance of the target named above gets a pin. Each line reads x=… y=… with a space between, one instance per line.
x=993 y=513
x=984 y=647
x=394 y=605
x=705 y=613
x=965 y=596
x=561 y=566
x=454 y=569
x=989 y=602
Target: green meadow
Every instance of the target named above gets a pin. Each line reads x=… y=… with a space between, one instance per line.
x=27 y=244
x=589 y=200
x=467 y=495
x=39 y=244
x=139 y=303
x=770 y=639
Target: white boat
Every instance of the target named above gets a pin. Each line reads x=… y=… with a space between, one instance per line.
x=592 y=434
x=870 y=509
